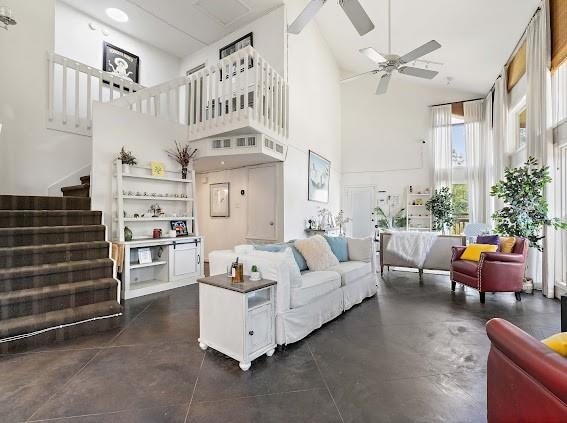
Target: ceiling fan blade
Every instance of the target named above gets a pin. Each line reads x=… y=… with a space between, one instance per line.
x=383 y=84
x=359 y=18
x=420 y=73
x=360 y=75
x=305 y=16
x=420 y=51
x=373 y=55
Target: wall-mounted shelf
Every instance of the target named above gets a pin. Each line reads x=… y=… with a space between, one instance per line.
x=157 y=219
x=147 y=197
x=157 y=178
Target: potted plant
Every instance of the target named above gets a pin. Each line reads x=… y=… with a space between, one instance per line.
x=442 y=209
x=183 y=155
x=128 y=159
x=525 y=213
x=390 y=221
x=254 y=273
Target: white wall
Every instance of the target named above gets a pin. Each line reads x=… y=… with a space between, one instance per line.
x=148 y=138
x=31 y=157
x=381 y=135
x=315 y=121
x=74 y=39
x=269 y=35
x=223 y=233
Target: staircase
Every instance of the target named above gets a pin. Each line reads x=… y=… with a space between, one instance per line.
x=81 y=190
x=56 y=277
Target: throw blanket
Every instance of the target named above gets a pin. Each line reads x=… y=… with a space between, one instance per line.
x=412 y=246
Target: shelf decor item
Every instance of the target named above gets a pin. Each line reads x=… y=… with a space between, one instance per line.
x=128 y=234
x=144 y=255
x=180 y=227
x=183 y=155
x=128 y=159
x=158 y=168
x=254 y=273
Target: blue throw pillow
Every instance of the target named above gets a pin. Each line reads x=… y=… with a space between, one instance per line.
x=276 y=248
x=488 y=239
x=271 y=248
x=339 y=246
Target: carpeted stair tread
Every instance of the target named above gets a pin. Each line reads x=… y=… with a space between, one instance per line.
x=48 y=269
x=40 y=235
x=48 y=248
x=36 y=322
x=35 y=255
x=41 y=218
x=22 y=202
x=34 y=294
x=85 y=179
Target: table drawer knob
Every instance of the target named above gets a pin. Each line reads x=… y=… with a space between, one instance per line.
x=251 y=333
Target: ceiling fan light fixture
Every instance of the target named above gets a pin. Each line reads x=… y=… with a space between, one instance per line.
x=117 y=15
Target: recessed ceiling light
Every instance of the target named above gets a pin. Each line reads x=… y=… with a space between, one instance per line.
x=117 y=14
x=222 y=162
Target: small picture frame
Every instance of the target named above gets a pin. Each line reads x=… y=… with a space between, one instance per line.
x=158 y=168
x=180 y=227
x=144 y=255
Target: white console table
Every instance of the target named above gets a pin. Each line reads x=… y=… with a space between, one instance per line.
x=237 y=319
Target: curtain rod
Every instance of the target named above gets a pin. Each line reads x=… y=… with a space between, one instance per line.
x=464 y=101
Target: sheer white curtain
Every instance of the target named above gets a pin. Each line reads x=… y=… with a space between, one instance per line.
x=475 y=159
x=489 y=159
x=539 y=124
x=442 y=147
x=500 y=149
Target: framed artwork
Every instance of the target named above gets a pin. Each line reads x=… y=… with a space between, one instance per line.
x=144 y=255
x=247 y=40
x=220 y=201
x=158 y=168
x=119 y=62
x=180 y=227
x=319 y=173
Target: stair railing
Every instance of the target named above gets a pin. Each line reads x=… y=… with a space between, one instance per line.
x=72 y=88
x=242 y=86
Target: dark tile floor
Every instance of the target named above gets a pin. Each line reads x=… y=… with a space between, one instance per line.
x=415 y=352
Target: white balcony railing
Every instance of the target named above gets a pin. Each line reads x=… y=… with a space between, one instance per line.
x=72 y=88
x=241 y=90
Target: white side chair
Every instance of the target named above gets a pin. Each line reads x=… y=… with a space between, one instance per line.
x=472 y=230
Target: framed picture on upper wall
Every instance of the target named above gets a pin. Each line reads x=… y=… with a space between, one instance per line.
x=119 y=62
x=319 y=173
x=220 y=201
x=245 y=41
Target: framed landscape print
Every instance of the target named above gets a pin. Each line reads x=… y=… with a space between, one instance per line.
x=319 y=173
x=220 y=202
x=119 y=62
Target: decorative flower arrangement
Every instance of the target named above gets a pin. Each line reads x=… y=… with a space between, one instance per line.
x=127 y=158
x=183 y=155
x=341 y=220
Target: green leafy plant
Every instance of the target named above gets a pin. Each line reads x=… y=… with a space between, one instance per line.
x=442 y=209
x=127 y=157
x=254 y=268
x=388 y=221
x=525 y=213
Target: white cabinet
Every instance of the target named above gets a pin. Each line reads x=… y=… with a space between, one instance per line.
x=237 y=319
x=184 y=260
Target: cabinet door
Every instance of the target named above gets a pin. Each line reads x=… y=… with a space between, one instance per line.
x=259 y=329
x=262 y=203
x=185 y=261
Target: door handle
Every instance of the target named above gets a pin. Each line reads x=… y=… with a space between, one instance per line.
x=251 y=333
x=271 y=223
x=198 y=258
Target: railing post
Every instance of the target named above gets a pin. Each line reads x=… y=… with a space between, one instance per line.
x=50 y=76
x=89 y=100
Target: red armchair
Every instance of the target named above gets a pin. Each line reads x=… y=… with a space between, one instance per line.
x=526 y=381
x=495 y=272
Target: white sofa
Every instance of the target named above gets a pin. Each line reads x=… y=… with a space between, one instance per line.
x=318 y=298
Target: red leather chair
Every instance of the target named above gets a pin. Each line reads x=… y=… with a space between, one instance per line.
x=526 y=381
x=495 y=272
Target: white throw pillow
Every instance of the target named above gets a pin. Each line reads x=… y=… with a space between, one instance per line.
x=244 y=249
x=317 y=252
x=285 y=256
x=359 y=249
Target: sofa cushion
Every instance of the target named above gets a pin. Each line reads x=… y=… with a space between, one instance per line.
x=557 y=343
x=286 y=255
x=488 y=239
x=359 y=249
x=507 y=244
x=316 y=252
x=275 y=248
x=314 y=284
x=473 y=251
x=338 y=246
x=466 y=267
x=351 y=271
x=299 y=259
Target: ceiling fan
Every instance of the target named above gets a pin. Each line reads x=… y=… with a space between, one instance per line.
x=388 y=63
x=352 y=8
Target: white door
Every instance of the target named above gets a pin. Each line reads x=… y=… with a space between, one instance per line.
x=185 y=260
x=259 y=329
x=359 y=203
x=262 y=203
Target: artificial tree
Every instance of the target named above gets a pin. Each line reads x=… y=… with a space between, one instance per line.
x=442 y=209
x=525 y=213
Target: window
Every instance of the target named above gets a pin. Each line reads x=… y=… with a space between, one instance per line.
x=517 y=124
x=459 y=173
x=559 y=94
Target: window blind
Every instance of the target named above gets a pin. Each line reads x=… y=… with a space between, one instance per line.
x=558 y=18
x=517 y=67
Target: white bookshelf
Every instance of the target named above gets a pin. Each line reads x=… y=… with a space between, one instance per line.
x=418 y=217
x=175 y=261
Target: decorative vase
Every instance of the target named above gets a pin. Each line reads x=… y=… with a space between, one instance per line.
x=125 y=169
x=128 y=234
x=255 y=276
x=184 y=172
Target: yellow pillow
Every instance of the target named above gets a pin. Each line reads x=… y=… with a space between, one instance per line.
x=507 y=244
x=557 y=343
x=472 y=252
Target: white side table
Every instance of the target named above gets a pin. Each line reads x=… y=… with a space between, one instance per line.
x=237 y=319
